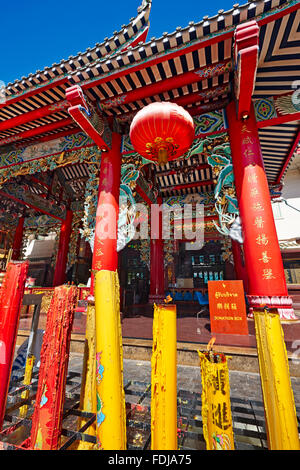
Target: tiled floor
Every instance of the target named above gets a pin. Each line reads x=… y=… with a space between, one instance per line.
x=245 y=394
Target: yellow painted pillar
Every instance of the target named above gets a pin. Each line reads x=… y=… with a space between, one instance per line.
x=164 y=379
x=88 y=398
x=280 y=412
x=111 y=413
x=216 y=408
x=27 y=381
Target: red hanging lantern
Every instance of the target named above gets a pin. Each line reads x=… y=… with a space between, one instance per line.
x=162 y=131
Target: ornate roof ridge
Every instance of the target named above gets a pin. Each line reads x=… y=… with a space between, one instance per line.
x=105 y=49
x=203 y=30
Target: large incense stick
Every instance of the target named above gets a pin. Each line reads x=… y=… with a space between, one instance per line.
x=11 y=295
x=48 y=411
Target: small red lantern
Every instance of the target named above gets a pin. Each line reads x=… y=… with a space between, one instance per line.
x=162 y=131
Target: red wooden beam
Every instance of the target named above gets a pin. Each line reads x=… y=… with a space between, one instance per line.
x=34 y=91
x=36 y=131
x=63 y=249
x=186 y=186
x=201 y=96
x=31 y=206
x=279 y=14
x=193 y=98
x=17 y=242
x=143 y=195
x=33 y=115
x=167 y=84
x=47 y=138
x=278 y=120
x=157 y=60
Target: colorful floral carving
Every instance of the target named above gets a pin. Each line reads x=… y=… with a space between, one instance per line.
x=264 y=109
x=209 y=122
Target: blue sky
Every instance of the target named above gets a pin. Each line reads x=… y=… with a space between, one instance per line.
x=37 y=33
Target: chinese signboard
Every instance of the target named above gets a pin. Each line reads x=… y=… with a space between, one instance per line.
x=227 y=307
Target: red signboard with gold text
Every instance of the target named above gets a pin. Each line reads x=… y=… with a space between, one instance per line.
x=227 y=307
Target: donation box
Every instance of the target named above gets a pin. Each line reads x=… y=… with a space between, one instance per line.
x=227 y=307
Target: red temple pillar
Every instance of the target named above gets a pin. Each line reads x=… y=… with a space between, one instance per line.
x=105 y=254
x=239 y=264
x=17 y=243
x=11 y=296
x=267 y=284
x=157 y=277
x=63 y=248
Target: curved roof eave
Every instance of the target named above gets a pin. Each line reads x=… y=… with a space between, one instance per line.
x=108 y=47
x=194 y=34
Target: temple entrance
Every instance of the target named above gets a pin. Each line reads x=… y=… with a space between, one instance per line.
x=134 y=276
x=194 y=267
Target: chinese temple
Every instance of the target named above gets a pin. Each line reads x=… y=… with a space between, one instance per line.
x=240 y=66
x=216 y=69
x=81 y=135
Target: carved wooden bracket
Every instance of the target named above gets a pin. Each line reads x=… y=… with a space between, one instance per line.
x=246 y=48
x=91 y=121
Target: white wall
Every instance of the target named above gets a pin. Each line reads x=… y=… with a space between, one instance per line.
x=287 y=220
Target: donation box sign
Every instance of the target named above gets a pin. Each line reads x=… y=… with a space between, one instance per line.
x=227 y=307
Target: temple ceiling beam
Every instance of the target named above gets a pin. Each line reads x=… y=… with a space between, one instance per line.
x=278 y=109
x=279 y=120
x=178 y=187
x=187 y=78
x=33 y=115
x=64 y=183
x=36 y=131
x=30 y=205
x=182 y=170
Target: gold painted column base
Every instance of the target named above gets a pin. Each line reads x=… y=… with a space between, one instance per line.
x=280 y=412
x=88 y=398
x=164 y=379
x=111 y=412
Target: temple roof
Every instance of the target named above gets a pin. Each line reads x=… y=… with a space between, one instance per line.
x=127 y=35
x=193 y=66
